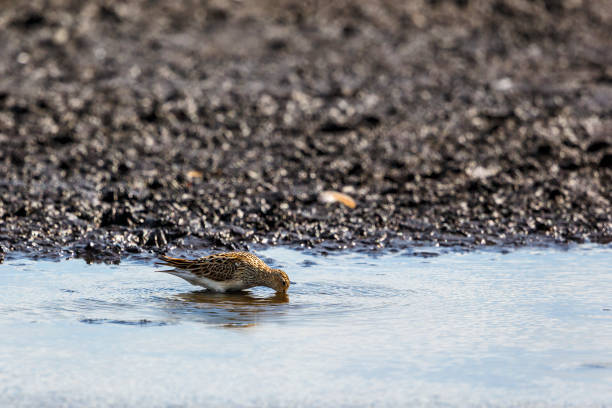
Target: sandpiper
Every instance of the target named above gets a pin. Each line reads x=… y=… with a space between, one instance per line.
x=231 y=271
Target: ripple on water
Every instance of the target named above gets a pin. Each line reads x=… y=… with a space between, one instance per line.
x=306 y=302
x=515 y=326
x=141 y=322
x=601 y=365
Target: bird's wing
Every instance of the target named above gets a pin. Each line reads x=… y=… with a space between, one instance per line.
x=212 y=267
x=246 y=258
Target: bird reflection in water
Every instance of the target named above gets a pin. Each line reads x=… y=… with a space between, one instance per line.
x=242 y=309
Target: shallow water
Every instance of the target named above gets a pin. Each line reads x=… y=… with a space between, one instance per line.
x=528 y=328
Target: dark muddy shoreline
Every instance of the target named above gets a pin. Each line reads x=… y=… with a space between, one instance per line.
x=128 y=127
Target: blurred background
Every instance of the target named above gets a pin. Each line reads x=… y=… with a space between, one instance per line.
x=131 y=125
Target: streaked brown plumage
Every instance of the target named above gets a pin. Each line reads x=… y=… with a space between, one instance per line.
x=229 y=271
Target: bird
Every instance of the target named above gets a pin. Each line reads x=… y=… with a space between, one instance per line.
x=227 y=272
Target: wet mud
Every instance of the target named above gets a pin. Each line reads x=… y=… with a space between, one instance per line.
x=130 y=127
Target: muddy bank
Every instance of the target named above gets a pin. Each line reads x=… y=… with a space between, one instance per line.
x=134 y=126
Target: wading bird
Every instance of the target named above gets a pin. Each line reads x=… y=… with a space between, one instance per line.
x=227 y=272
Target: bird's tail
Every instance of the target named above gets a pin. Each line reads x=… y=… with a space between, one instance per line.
x=174 y=262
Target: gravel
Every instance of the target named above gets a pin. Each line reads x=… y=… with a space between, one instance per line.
x=138 y=126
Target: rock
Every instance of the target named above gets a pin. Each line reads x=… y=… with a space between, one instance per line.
x=328 y=197
x=606 y=161
x=157 y=239
x=117 y=216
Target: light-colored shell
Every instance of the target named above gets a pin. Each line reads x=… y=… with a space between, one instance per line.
x=327 y=197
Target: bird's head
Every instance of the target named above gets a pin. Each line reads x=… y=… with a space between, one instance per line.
x=280 y=281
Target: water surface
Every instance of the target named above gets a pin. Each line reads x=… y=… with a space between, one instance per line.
x=531 y=327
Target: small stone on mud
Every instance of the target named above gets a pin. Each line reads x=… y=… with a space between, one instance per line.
x=328 y=197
